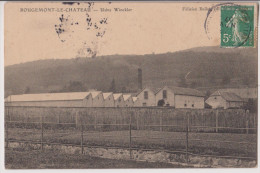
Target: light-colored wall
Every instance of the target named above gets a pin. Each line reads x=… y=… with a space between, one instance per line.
x=216 y=102
x=137 y=103
x=129 y=102
x=120 y=102
x=149 y=102
x=170 y=97
x=87 y=102
x=109 y=101
x=69 y=103
x=180 y=100
x=98 y=101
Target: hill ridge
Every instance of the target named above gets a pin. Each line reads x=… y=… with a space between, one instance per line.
x=209 y=66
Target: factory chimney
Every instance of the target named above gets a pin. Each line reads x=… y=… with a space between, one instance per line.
x=140 y=80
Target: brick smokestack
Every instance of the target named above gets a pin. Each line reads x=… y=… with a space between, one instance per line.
x=140 y=80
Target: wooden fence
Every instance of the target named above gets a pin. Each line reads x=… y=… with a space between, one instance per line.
x=162 y=119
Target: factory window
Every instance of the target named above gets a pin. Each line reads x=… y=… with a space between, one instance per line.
x=144 y=104
x=164 y=94
x=146 y=95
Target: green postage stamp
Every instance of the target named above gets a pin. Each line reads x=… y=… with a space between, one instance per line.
x=237 y=26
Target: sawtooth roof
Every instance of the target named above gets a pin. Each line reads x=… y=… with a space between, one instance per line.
x=126 y=96
x=106 y=95
x=116 y=96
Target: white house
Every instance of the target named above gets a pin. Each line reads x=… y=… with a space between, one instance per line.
x=225 y=100
x=73 y=99
x=180 y=97
x=146 y=97
x=119 y=100
x=128 y=100
x=97 y=99
x=109 y=99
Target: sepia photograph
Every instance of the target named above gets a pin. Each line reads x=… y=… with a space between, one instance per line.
x=108 y=85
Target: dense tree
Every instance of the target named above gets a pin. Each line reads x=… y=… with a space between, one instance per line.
x=27 y=90
x=193 y=84
x=161 y=103
x=251 y=105
x=226 y=80
x=113 y=86
x=74 y=86
x=183 y=82
x=123 y=89
x=246 y=80
x=212 y=78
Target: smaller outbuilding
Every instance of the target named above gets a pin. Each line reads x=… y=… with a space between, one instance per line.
x=224 y=100
x=243 y=93
x=109 y=99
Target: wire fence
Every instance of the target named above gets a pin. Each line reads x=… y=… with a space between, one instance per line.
x=128 y=136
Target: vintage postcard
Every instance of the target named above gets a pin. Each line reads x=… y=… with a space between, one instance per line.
x=130 y=85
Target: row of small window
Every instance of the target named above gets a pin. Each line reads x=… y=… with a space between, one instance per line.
x=185 y=105
x=164 y=94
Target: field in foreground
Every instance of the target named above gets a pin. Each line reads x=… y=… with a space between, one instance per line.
x=19 y=159
x=223 y=144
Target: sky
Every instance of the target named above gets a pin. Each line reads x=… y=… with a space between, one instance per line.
x=146 y=28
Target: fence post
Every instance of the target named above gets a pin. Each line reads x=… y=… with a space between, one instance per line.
x=247 y=126
x=187 y=143
x=188 y=123
x=116 y=127
x=95 y=121
x=42 y=132
x=160 y=122
x=81 y=142
x=10 y=114
x=6 y=133
x=217 y=121
x=130 y=136
x=137 y=122
x=58 y=119
x=255 y=123
x=6 y=124
x=76 y=120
